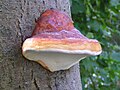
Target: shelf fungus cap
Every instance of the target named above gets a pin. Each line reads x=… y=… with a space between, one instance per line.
x=56 y=44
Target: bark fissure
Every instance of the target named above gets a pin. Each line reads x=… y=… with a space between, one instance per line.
x=36 y=85
x=43 y=2
x=21 y=19
x=20 y=32
x=32 y=75
x=55 y=85
x=56 y=3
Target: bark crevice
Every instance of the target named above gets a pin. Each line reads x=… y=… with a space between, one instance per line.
x=56 y=86
x=56 y=3
x=20 y=28
x=36 y=85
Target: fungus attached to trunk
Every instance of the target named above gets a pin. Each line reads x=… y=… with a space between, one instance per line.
x=56 y=44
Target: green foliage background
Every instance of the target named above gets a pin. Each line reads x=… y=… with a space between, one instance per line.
x=100 y=19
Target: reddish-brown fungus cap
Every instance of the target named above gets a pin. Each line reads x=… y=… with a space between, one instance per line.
x=53 y=21
x=56 y=43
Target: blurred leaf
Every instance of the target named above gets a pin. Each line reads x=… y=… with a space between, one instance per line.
x=77 y=7
x=102 y=63
x=90 y=35
x=94 y=25
x=88 y=13
x=116 y=56
x=118 y=7
x=114 y=2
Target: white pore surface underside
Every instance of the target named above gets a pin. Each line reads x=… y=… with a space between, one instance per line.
x=54 y=60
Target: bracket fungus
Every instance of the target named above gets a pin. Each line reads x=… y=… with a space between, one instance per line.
x=56 y=44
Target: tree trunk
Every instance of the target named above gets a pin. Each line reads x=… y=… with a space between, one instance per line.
x=17 y=20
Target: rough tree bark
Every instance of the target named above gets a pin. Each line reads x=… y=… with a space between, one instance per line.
x=17 y=20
